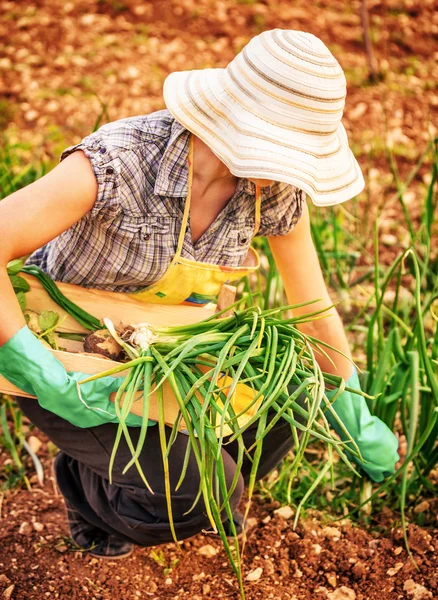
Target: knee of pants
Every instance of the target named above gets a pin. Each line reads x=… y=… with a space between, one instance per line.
x=185 y=496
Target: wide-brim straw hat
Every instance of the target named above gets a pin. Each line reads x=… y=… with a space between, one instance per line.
x=274 y=113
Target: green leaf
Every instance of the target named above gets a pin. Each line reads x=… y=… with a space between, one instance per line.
x=48 y=319
x=14 y=266
x=51 y=340
x=21 y=297
x=19 y=283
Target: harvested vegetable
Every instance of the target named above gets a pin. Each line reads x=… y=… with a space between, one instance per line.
x=102 y=342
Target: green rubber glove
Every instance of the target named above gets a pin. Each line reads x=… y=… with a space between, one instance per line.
x=376 y=442
x=26 y=363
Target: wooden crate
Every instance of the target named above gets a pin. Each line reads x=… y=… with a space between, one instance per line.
x=120 y=308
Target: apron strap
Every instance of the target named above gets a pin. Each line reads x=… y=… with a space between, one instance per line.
x=185 y=218
x=258 y=209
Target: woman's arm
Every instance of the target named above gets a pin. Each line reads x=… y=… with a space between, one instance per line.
x=35 y=215
x=297 y=261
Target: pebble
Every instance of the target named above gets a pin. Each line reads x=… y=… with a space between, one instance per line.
x=206 y=589
x=7 y=594
x=398 y=550
x=331 y=579
x=25 y=528
x=342 y=593
x=417 y=591
x=285 y=512
x=266 y=520
x=251 y=522
x=268 y=567
x=254 y=575
x=168 y=581
x=38 y=526
x=422 y=507
x=208 y=550
x=395 y=569
x=331 y=532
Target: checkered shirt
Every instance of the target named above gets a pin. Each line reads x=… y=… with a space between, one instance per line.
x=129 y=237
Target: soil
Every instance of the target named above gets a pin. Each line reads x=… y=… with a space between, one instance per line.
x=60 y=62
x=320 y=559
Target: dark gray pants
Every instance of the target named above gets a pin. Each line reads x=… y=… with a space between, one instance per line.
x=125 y=507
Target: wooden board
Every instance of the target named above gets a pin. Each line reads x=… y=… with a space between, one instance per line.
x=114 y=305
x=120 y=308
x=93 y=365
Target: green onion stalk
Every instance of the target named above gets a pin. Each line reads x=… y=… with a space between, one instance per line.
x=253 y=346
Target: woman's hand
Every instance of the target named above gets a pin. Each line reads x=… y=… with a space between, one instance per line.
x=297 y=261
x=26 y=363
x=376 y=442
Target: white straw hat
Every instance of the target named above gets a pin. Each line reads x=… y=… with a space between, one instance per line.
x=274 y=113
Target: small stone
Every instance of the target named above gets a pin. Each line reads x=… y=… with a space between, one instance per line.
x=331 y=579
x=331 y=532
x=7 y=594
x=422 y=507
x=317 y=548
x=25 y=528
x=398 y=550
x=254 y=575
x=283 y=565
x=251 y=522
x=208 y=550
x=395 y=569
x=359 y=570
x=285 y=512
x=266 y=520
x=206 y=589
x=417 y=591
x=39 y=527
x=342 y=593
x=268 y=567
x=168 y=581
x=34 y=443
x=152 y=587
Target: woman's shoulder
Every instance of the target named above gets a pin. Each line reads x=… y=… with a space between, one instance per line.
x=130 y=133
x=282 y=207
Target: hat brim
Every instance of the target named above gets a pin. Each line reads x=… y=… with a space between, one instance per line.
x=260 y=144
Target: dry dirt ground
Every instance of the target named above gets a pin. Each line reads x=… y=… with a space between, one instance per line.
x=319 y=560
x=59 y=63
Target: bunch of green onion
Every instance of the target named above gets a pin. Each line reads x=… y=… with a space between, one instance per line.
x=253 y=346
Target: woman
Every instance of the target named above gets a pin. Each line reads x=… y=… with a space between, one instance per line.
x=164 y=206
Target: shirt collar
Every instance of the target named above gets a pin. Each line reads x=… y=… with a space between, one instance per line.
x=173 y=173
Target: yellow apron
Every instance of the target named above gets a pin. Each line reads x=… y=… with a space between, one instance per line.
x=188 y=281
